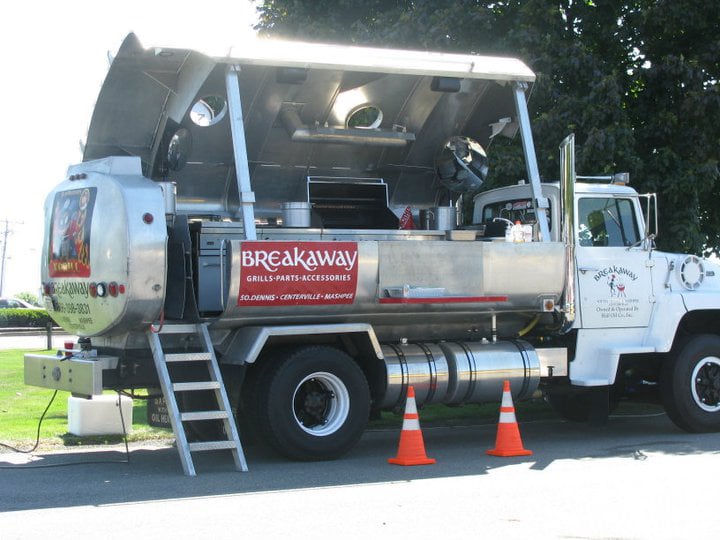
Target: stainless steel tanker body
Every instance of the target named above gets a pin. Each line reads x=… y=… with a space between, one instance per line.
x=407 y=284
x=415 y=287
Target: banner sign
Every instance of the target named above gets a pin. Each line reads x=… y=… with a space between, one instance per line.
x=297 y=273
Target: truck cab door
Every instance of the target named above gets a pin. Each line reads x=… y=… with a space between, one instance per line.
x=613 y=274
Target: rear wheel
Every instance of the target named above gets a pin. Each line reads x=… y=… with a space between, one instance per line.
x=690 y=384
x=313 y=404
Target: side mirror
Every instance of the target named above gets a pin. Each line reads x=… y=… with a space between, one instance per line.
x=648 y=202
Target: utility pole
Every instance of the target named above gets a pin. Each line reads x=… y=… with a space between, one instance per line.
x=7 y=231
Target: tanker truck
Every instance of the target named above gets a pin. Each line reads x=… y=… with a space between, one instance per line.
x=289 y=236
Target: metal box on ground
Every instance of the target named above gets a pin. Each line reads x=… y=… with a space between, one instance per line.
x=99 y=415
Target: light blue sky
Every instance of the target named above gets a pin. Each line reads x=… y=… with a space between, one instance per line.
x=54 y=57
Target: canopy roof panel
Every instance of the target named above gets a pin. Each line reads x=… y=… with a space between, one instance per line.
x=308 y=110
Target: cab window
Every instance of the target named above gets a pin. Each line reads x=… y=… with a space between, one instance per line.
x=607 y=222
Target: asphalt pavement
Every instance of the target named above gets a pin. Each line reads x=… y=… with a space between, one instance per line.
x=638 y=477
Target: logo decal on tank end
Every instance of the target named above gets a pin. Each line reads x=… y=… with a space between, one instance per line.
x=70 y=225
x=71 y=289
x=297 y=273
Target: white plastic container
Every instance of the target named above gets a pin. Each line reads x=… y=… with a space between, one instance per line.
x=99 y=415
x=519 y=233
x=527 y=233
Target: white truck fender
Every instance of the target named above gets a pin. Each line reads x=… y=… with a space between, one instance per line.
x=598 y=353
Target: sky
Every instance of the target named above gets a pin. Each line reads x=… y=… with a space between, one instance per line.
x=54 y=58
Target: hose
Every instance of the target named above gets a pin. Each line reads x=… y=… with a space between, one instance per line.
x=530 y=326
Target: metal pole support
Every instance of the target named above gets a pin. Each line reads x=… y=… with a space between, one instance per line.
x=49 y=329
x=540 y=202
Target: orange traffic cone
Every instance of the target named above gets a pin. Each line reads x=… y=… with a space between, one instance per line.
x=412 y=447
x=508 y=442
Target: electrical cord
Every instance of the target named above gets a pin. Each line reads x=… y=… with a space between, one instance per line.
x=37 y=437
x=52 y=465
x=122 y=422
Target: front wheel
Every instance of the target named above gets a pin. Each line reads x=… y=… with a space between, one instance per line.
x=690 y=384
x=313 y=404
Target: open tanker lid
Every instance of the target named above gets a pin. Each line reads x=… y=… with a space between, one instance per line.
x=309 y=110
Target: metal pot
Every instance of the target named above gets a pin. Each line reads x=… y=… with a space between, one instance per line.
x=443 y=218
x=296 y=214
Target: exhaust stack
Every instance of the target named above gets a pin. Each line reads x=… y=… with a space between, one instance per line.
x=567 y=199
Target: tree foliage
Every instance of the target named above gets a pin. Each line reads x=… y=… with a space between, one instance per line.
x=30 y=298
x=636 y=81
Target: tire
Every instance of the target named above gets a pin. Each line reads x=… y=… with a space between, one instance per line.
x=313 y=404
x=247 y=419
x=690 y=384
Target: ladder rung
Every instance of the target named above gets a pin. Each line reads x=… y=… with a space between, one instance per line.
x=211 y=445
x=188 y=357
x=203 y=415
x=178 y=329
x=200 y=385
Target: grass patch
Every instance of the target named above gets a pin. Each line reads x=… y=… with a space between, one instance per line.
x=21 y=407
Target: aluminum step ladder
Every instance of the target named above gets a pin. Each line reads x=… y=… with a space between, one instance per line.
x=198 y=333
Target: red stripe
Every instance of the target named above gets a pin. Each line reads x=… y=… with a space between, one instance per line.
x=444 y=300
x=507 y=409
x=411 y=416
